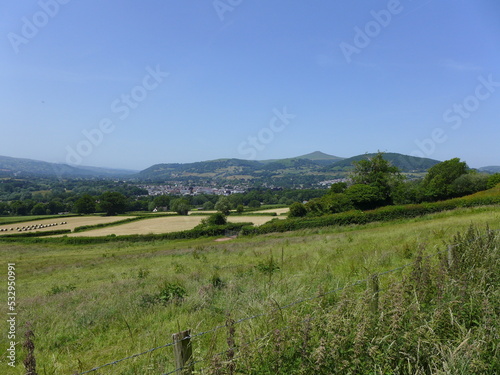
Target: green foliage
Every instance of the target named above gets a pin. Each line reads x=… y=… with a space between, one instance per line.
x=437 y=184
x=85 y=204
x=377 y=172
x=223 y=205
x=269 y=266
x=254 y=204
x=60 y=289
x=365 y=197
x=297 y=209
x=217 y=218
x=338 y=187
x=180 y=205
x=493 y=180
x=168 y=293
x=113 y=203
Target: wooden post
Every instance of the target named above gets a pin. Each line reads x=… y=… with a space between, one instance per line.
x=375 y=288
x=183 y=352
x=450 y=256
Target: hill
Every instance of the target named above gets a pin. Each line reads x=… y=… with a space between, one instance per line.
x=406 y=163
x=305 y=170
x=490 y=169
x=21 y=167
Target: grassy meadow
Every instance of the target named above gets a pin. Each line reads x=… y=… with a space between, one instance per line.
x=93 y=304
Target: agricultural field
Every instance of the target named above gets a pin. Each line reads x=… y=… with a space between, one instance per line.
x=91 y=305
x=56 y=223
x=175 y=223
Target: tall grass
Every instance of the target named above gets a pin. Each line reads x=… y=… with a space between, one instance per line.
x=92 y=304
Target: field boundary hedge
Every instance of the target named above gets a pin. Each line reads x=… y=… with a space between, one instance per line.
x=211 y=231
x=386 y=213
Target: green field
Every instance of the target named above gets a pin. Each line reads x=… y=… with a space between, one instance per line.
x=94 y=304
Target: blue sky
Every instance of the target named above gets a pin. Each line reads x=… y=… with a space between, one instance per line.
x=129 y=83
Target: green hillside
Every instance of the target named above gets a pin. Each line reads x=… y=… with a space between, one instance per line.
x=405 y=163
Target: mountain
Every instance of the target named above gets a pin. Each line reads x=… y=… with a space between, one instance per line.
x=317 y=156
x=27 y=167
x=305 y=170
x=406 y=163
x=490 y=169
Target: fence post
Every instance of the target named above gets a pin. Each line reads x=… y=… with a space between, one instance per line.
x=183 y=352
x=375 y=288
x=450 y=256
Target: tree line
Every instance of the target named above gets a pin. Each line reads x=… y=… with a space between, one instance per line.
x=374 y=183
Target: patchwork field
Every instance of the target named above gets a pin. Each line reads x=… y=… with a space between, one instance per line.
x=163 y=225
x=55 y=223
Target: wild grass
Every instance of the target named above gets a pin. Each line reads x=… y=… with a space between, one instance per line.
x=88 y=304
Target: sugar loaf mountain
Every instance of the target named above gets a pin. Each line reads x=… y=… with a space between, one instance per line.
x=305 y=170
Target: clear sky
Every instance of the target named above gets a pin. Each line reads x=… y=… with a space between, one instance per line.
x=129 y=83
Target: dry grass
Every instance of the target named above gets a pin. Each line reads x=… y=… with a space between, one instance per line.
x=71 y=223
x=278 y=211
x=163 y=225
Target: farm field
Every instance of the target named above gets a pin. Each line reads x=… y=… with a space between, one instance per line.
x=90 y=305
x=71 y=223
x=162 y=225
x=278 y=211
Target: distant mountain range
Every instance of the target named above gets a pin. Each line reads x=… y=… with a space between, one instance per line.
x=19 y=167
x=314 y=167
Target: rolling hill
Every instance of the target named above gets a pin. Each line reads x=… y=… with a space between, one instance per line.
x=19 y=167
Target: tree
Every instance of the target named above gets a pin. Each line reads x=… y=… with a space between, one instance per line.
x=254 y=204
x=39 y=209
x=181 y=206
x=297 y=209
x=439 y=178
x=493 y=180
x=113 y=203
x=379 y=173
x=223 y=205
x=161 y=201
x=217 y=218
x=365 y=197
x=338 y=187
x=85 y=205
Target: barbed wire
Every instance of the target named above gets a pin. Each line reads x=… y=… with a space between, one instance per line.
x=279 y=308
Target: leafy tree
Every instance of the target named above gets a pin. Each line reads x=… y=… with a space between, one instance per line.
x=493 y=180
x=223 y=205
x=217 y=218
x=469 y=183
x=338 y=187
x=85 y=205
x=297 y=209
x=240 y=209
x=334 y=203
x=379 y=173
x=437 y=183
x=254 y=204
x=113 y=203
x=19 y=208
x=4 y=208
x=161 y=201
x=366 y=197
x=39 y=209
x=181 y=206
x=55 y=206
x=208 y=206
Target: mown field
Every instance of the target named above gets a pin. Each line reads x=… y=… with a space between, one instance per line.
x=94 y=304
x=55 y=223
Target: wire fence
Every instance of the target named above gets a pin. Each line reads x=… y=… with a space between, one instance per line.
x=272 y=311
